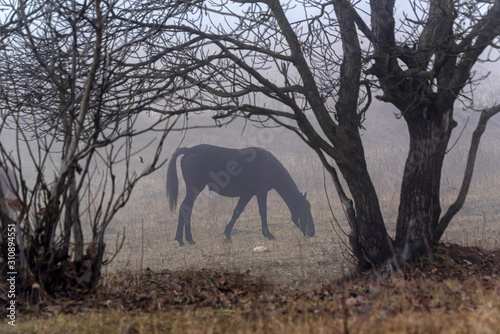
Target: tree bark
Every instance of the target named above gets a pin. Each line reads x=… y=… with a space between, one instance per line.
x=419 y=208
x=369 y=239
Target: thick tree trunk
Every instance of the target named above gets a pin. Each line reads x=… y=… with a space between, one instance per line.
x=419 y=208
x=369 y=239
x=370 y=242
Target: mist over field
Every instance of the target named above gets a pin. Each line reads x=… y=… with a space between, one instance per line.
x=150 y=226
x=291 y=258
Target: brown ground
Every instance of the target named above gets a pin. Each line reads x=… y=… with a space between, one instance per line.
x=450 y=270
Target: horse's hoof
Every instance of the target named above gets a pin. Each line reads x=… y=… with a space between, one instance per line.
x=191 y=242
x=271 y=237
x=228 y=237
x=181 y=243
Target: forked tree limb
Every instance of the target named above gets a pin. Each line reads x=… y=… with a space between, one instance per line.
x=469 y=169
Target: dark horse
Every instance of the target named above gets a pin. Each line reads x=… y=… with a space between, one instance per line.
x=242 y=173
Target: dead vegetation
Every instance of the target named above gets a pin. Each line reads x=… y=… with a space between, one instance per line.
x=455 y=285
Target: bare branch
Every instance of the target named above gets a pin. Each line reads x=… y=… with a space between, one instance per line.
x=469 y=169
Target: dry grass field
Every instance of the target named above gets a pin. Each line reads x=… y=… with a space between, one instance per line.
x=293 y=260
x=305 y=270
x=454 y=290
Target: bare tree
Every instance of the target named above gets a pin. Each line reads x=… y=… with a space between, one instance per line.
x=310 y=66
x=74 y=81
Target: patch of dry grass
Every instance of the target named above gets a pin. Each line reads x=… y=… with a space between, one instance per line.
x=419 y=306
x=292 y=260
x=452 y=290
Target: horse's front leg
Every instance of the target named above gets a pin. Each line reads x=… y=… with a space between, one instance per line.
x=242 y=203
x=262 y=201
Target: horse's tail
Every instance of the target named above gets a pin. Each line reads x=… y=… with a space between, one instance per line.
x=172 y=180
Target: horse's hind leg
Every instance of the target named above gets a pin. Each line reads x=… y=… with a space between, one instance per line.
x=262 y=201
x=187 y=226
x=242 y=203
x=185 y=211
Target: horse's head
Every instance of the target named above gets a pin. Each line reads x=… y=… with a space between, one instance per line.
x=302 y=217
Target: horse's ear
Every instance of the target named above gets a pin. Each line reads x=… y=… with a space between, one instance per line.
x=305 y=195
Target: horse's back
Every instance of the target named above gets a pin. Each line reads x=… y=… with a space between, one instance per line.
x=229 y=171
x=206 y=155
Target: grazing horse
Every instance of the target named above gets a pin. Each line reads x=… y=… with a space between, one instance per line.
x=242 y=173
